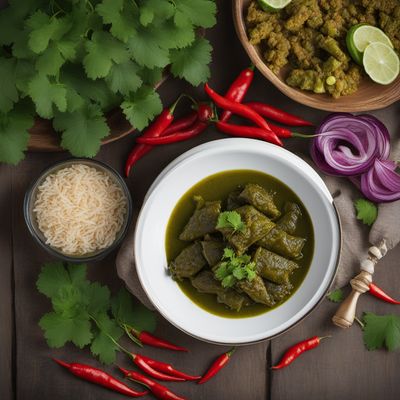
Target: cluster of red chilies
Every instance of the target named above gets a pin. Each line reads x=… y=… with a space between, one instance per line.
x=164 y=130
x=153 y=368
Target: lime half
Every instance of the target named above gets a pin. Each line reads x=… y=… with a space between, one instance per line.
x=360 y=36
x=273 y=5
x=381 y=63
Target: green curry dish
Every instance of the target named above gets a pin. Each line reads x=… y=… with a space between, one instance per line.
x=257 y=225
x=261 y=199
x=203 y=221
x=189 y=262
x=214 y=251
x=231 y=220
x=234 y=268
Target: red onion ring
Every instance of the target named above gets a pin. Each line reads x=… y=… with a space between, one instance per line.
x=358 y=147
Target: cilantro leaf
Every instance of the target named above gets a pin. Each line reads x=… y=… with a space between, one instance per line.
x=141 y=107
x=121 y=15
x=102 y=50
x=58 y=330
x=107 y=333
x=98 y=299
x=381 y=331
x=9 y=93
x=50 y=62
x=200 y=12
x=155 y=8
x=123 y=78
x=233 y=268
x=14 y=135
x=45 y=94
x=336 y=296
x=132 y=314
x=230 y=220
x=367 y=211
x=51 y=278
x=82 y=130
x=191 y=62
x=145 y=49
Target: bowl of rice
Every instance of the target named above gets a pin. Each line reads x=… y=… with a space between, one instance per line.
x=79 y=210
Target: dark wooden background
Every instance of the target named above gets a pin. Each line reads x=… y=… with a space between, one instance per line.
x=340 y=369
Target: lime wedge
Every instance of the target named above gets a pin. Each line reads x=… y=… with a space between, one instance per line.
x=273 y=5
x=360 y=36
x=381 y=63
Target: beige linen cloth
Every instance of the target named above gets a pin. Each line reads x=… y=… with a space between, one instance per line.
x=356 y=237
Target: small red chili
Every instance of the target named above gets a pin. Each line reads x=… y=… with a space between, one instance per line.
x=295 y=351
x=252 y=132
x=144 y=366
x=197 y=128
x=278 y=115
x=237 y=108
x=181 y=123
x=217 y=365
x=157 y=128
x=99 y=377
x=287 y=133
x=151 y=340
x=160 y=391
x=169 y=369
x=238 y=89
x=204 y=112
x=380 y=294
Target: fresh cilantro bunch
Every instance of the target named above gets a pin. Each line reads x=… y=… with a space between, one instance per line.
x=71 y=61
x=234 y=268
x=85 y=314
x=231 y=220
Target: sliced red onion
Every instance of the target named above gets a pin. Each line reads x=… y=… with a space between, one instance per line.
x=381 y=183
x=348 y=144
x=358 y=147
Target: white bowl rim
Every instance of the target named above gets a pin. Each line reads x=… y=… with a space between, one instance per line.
x=206 y=147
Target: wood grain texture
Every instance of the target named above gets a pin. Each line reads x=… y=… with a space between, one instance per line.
x=6 y=286
x=369 y=96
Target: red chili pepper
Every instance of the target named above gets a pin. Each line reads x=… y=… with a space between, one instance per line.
x=157 y=128
x=151 y=340
x=237 y=108
x=181 y=123
x=160 y=391
x=238 y=89
x=295 y=351
x=217 y=365
x=169 y=369
x=204 y=112
x=197 y=128
x=380 y=294
x=142 y=364
x=249 y=132
x=100 y=377
x=287 y=133
x=278 y=115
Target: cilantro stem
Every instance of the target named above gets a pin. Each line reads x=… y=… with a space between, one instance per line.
x=90 y=5
x=127 y=329
x=359 y=322
x=110 y=337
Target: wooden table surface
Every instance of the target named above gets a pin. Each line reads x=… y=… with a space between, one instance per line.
x=340 y=369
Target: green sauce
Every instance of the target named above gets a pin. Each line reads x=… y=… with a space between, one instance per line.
x=217 y=187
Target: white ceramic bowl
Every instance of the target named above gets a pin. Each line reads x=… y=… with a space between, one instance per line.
x=179 y=177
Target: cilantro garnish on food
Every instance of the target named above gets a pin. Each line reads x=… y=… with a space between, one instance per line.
x=73 y=62
x=335 y=296
x=366 y=211
x=230 y=220
x=84 y=312
x=381 y=331
x=234 y=268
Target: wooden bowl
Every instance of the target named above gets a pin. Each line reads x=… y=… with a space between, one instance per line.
x=44 y=138
x=369 y=96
